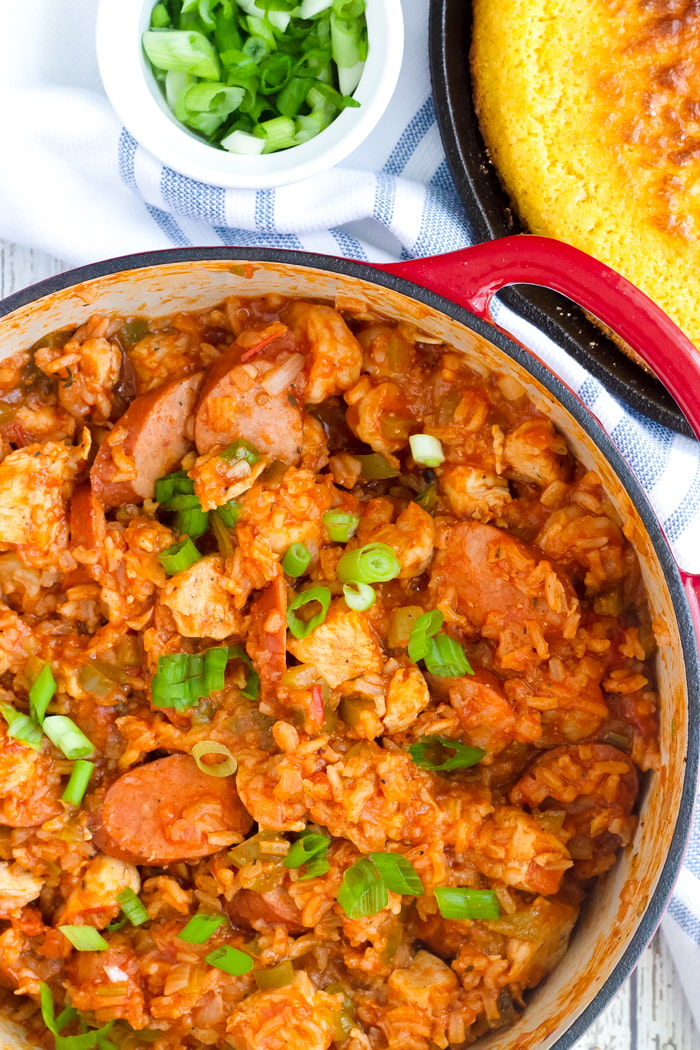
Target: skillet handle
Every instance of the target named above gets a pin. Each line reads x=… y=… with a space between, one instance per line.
x=472 y=276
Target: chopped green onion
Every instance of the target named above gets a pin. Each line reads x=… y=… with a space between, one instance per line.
x=240 y=449
x=309 y=844
x=21 y=727
x=94 y=1037
x=251 y=689
x=214 y=671
x=228 y=513
x=297 y=560
x=445 y=657
x=77 y=782
x=422 y=631
x=465 y=903
x=179 y=557
x=362 y=891
x=375 y=467
x=397 y=873
x=192 y=522
x=183 y=50
x=217 y=769
x=349 y=43
x=84 y=938
x=315 y=866
x=359 y=596
x=302 y=628
x=426 y=450
x=230 y=960
x=177 y=484
x=429 y=753
x=373 y=563
x=244 y=143
x=41 y=693
x=132 y=907
x=200 y=928
x=340 y=525
x=64 y=733
x=276 y=977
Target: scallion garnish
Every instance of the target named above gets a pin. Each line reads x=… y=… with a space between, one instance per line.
x=397 y=873
x=302 y=628
x=365 y=885
x=257 y=77
x=132 y=907
x=359 y=596
x=84 y=938
x=200 y=928
x=177 y=484
x=425 y=627
x=21 y=727
x=310 y=850
x=41 y=693
x=464 y=903
x=67 y=737
x=426 y=450
x=77 y=782
x=430 y=753
x=214 y=769
x=340 y=525
x=86 y=1040
x=362 y=891
x=228 y=513
x=445 y=657
x=240 y=449
x=373 y=563
x=179 y=557
x=297 y=560
x=214 y=669
x=231 y=960
x=183 y=678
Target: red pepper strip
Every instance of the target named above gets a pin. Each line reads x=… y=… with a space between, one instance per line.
x=267 y=335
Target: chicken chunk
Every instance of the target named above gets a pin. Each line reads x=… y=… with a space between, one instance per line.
x=94 y=900
x=406 y=697
x=512 y=847
x=35 y=485
x=201 y=606
x=87 y=373
x=343 y=646
x=427 y=983
x=531 y=959
x=18 y=887
x=30 y=785
x=333 y=353
x=296 y=1017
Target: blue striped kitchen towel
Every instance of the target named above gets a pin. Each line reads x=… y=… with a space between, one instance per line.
x=74 y=184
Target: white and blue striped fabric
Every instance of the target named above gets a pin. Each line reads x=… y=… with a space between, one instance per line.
x=76 y=185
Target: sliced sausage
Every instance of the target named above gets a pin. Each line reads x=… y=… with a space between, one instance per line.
x=234 y=404
x=488 y=575
x=267 y=635
x=88 y=525
x=273 y=908
x=167 y=811
x=148 y=442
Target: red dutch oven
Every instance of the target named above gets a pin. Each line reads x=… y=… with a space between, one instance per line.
x=449 y=297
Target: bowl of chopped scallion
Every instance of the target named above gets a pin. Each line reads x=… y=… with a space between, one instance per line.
x=250 y=93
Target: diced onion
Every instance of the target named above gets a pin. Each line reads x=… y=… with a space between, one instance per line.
x=282 y=376
x=212 y=747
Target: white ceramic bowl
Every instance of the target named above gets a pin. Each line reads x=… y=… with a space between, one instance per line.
x=138 y=101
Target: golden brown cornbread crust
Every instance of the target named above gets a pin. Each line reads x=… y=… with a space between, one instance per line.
x=591 y=112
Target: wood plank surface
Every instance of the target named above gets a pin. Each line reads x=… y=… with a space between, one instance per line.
x=650 y=1012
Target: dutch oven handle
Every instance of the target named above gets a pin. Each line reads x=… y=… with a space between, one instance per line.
x=472 y=276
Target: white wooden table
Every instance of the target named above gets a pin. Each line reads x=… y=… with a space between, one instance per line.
x=650 y=1012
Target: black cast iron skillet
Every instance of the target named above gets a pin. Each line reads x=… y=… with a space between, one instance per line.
x=489 y=215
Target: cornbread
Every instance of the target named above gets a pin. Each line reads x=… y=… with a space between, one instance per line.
x=591 y=112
